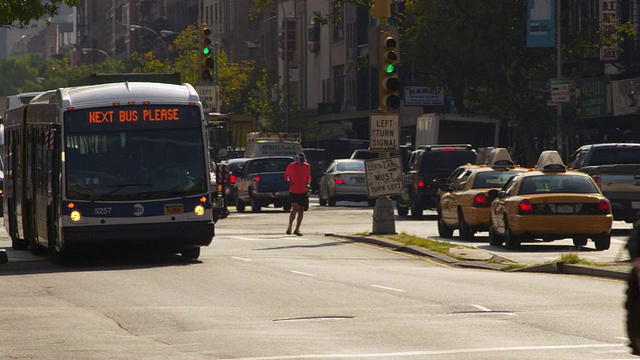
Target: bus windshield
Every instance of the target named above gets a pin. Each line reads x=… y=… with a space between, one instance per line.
x=140 y=164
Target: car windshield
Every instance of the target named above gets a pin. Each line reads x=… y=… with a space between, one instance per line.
x=491 y=179
x=268 y=165
x=350 y=166
x=544 y=184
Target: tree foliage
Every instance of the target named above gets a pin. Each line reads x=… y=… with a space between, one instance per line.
x=33 y=72
x=20 y=12
x=239 y=82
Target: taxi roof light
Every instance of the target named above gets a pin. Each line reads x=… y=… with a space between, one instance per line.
x=500 y=158
x=550 y=161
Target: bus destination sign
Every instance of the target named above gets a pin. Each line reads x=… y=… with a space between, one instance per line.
x=133 y=115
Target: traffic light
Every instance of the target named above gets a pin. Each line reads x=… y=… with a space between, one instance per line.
x=389 y=82
x=380 y=9
x=206 y=54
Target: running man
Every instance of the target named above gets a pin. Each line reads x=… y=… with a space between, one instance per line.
x=298 y=174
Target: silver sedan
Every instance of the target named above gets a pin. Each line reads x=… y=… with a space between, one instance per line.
x=344 y=180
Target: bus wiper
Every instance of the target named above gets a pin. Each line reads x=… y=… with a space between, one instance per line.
x=118 y=188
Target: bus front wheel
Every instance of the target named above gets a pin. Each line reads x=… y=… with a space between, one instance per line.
x=192 y=253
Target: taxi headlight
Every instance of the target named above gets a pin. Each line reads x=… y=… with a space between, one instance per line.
x=199 y=210
x=75 y=216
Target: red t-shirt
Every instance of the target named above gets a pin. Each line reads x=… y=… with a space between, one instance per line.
x=298 y=176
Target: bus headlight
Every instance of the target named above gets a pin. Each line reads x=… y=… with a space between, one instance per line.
x=75 y=216
x=199 y=210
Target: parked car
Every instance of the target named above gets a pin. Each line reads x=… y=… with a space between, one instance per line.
x=550 y=203
x=344 y=180
x=234 y=167
x=317 y=160
x=261 y=183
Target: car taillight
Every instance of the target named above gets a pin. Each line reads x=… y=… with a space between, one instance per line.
x=604 y=206
x=598 y=180
x=338 y=180
x=480 y=200
x=233 y=178
x=256 y=179
x=525 y=207
x=420 y=184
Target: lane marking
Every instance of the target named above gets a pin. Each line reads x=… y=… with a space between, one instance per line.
x=481 y=308
x=303 y=273
x=434 y=352
x=387 y=288
x=239 y=258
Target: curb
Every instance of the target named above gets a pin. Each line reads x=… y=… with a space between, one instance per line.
x=558 y=267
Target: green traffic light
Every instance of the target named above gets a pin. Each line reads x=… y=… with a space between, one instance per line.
x=206 y=51
x=390 y=69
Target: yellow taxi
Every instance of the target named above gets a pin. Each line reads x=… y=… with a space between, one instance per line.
x=550 y=202
x=464 y=204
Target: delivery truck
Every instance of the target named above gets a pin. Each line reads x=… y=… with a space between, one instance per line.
x=438 y=129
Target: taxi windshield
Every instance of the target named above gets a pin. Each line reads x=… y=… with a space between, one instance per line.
x=491 y=179
x=543 y=184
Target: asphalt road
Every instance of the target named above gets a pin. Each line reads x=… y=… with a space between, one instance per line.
x=257 y=293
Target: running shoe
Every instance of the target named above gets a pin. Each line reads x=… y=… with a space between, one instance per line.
x=297 y=232
x=289 y=230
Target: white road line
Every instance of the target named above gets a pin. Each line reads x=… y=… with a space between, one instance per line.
x=387 y=288
x=480 y=307
x=435 y=352
x=622 y=338
x=239 y=258
x=303 y=273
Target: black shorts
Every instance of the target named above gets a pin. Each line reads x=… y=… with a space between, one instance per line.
x=299 y=199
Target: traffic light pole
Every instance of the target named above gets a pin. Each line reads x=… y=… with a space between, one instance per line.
x=383 y=214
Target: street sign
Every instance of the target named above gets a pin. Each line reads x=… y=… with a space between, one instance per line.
x=384 y=133
x=384 y=176
x=208 y=97
x=560 y=90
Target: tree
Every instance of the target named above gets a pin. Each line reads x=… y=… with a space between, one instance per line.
x=33 y=72
x=23 y=12
x=239 y=82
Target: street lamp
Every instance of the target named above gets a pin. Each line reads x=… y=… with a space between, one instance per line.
x=87 y=50
x=134 y=27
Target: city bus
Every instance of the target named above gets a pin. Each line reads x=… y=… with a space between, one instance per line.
x=122 y=163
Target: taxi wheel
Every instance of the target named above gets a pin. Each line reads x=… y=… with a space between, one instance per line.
x=603 y=241
x=465 y=232
x=443 y=229
x=511 y=241
x=579 y=241
x=494 y=239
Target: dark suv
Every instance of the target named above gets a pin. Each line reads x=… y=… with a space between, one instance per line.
x=429 y=166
